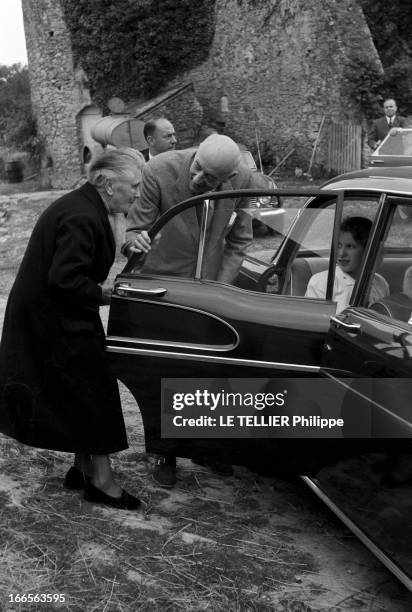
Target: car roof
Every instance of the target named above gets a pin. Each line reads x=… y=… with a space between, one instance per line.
x=395 y=179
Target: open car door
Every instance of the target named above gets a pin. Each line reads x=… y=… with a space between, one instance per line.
x=172 y=325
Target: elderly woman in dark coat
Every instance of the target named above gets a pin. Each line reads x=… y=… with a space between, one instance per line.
x=56 y=390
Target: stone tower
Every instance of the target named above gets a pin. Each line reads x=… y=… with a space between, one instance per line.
x=58 y=91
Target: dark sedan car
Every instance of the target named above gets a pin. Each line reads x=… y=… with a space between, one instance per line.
x=196 y=339
x=263 y=325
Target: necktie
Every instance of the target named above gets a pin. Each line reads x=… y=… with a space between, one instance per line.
x=390 y=120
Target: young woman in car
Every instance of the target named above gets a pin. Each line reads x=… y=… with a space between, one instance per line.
x=354 y=232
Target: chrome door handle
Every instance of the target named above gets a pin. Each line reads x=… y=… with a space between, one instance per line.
x=353 y=328
x=125 y=290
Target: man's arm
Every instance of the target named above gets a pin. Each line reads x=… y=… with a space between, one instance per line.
x=143 y=212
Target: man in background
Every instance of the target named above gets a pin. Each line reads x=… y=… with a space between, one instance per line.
x=381 y=127
x=160 y=135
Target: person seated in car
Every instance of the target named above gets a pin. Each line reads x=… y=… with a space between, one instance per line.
x=354 y=232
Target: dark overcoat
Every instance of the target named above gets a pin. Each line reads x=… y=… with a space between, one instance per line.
x=56 y=390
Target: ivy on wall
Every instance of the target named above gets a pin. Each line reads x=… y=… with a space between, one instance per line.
x=130 y=48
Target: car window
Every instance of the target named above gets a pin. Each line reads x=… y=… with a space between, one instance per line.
x=255 y=228
x=394 y=263
x=249 y=233
x=242 y=246
x=174 y=249
x=271 y=221
x=248 y=160
x=307 y=270
x=399 y=143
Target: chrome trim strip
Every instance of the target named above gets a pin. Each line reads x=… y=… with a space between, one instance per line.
x=202 y=312
x=185 y=345
x=377 y=156
x=378 y=189
x=293 y=367
x=202 y=238
x=340 y=381
x=313 y=484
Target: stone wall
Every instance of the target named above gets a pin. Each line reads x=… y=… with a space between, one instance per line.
x=58 y=91
x=280 y=63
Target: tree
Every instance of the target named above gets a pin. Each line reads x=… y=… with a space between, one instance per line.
x=389 y=23
x=17 y=124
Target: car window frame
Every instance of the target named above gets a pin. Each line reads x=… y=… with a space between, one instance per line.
x=364 y=280
x=288 y=249
x=136 y=261
x=384 y=219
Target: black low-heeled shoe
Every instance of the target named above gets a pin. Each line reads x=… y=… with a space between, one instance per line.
x=125 y=502
x=75 y=479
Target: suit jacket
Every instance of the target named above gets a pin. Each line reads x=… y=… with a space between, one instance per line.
x=56 y=390
x=380 y=129
x=165 y=182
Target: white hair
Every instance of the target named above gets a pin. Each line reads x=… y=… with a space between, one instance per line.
x=111 y=163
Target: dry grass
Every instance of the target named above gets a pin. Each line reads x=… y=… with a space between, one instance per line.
x=194 y=552
x=222 y=545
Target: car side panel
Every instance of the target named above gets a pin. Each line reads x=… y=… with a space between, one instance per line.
x=201 y=329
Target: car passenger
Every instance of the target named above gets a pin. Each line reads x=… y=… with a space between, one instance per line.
x=354 y=232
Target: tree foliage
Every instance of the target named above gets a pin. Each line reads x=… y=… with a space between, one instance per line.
x=390 y=25
x=130 y=48
x=363 y=83
x=17 y=124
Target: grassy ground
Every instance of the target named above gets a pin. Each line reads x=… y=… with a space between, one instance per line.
x=244 y=543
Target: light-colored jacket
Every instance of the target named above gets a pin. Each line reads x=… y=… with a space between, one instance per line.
x=165 y=182
x=343 y=287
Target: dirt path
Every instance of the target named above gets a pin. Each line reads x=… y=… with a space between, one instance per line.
x=238 y=543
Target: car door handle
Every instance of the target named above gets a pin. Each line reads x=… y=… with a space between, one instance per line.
x=377 y=161
x=125 y=290
x=353 y=328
